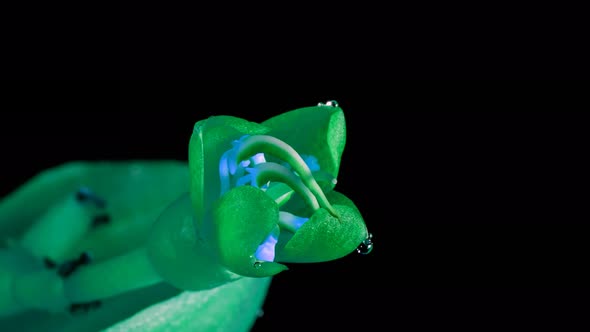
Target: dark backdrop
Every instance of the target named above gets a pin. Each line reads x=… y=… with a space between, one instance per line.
x=473 y=191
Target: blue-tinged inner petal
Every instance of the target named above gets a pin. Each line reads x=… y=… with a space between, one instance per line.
x=234 y=173
x=224 y=173
x=311 y=162
x=246 y=179
x=266 y=251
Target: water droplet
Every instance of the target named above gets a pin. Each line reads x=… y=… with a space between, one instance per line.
x=260 y=313
x=366 y=246
x=329 y=103
x=257 y=265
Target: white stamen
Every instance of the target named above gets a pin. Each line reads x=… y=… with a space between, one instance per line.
x=265 y=186
x=258 y=158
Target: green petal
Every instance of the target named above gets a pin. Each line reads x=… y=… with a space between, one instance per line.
x=323 y=237
x=319 y=131
x=243 y=217
x=210 y=139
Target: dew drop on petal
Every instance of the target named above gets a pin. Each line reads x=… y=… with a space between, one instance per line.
x=366 y=246
x=329 y=103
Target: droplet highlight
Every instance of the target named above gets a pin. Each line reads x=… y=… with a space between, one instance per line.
x=329 y=103
x=366 y=246
x=257 y=265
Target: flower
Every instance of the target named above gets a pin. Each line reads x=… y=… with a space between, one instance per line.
x=263 y=193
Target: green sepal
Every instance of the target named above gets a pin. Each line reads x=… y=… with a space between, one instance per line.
x=323 y=237
x=180 y=255
x=210 y=139
x=319 y=131
x=243 y=218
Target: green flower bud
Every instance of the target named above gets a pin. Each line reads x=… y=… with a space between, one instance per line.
x=262 y=193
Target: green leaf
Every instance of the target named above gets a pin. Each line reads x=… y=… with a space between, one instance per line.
x=323 y=237
x=112 y=311
x=243 y=218
x=319 y=131
x=231 y=307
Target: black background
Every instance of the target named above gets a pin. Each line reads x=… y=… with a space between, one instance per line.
x=473 y=191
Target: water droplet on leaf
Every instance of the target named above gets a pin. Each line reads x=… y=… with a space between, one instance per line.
x=329 y=103
x=257 y=265
x=366 y=246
